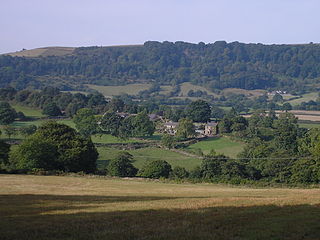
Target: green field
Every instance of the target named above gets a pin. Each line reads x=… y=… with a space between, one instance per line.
x=305 y=98
x=222 y=145
x=309 y=125
x=143 y=155
x=131 y=89
x=51 y=207
x=28 y=111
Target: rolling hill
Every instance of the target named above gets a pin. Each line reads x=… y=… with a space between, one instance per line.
x=214 y=66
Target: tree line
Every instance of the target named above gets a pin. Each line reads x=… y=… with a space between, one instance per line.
x=216 y=66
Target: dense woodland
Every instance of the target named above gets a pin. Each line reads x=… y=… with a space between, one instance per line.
x=215 y=66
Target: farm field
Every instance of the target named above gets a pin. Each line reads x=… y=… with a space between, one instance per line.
x=305 y=98
x=143 y=155
x=28 y=111
x=309 y=125
x=222 y=145
x=131 y=89
x=52 y=207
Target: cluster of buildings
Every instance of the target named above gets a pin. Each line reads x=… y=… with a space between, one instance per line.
x=202 y=129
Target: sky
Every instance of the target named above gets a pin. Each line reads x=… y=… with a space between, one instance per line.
x=73 y=23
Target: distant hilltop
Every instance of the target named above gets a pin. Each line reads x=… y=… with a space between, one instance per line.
x=214 y=66
x=44 y=52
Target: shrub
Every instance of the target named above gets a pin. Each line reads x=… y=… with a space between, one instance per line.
x=56 y=146
x=179 y=172
x=156 y=169
x=122 y=166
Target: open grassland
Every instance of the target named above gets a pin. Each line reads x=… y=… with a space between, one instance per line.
x=28 y=111
x=131 y=89
x=46 y=51
x=309 y=125
x=248 y=93
x=144 y=155
x=51 y=207
x=222 y=145
x=304 y=98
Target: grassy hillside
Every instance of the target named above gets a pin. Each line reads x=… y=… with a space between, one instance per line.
x=131 y=89
x=48 y=207
x=43 y=52
x=222 y=145
x=144 y=155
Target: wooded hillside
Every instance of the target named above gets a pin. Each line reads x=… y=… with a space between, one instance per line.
x=218 y=65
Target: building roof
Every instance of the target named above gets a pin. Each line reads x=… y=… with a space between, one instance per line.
x=212 y=124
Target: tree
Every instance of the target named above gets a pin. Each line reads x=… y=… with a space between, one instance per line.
x=277 y=98
x=286 y=107
x=185 y=128
x=285 y=132
x=168 y=141
x=9 y=131
x=51 y=109
x=4 y=153
x=65 y=149
x=35 y=153
x=211 y=165
x=28 y=130
x=142 y=125
x=179 y=172
x=85 y=122
x=7 y=113
x=121 y=166
x=156 y=169
x=199 y=111
x=110 y=123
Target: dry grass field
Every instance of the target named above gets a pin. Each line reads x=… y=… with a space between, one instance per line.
x=52 y=207
x=46 y=51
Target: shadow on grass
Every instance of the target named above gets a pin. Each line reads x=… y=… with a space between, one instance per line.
x=24 y=217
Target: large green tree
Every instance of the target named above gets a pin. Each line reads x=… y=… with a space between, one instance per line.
x=7 y=113
x=67 y=150
x=85 y=122
x=185 y=128
x=121 y=165
x=199 y=111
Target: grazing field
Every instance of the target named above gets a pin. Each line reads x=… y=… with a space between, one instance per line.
x=309 y=125
x=304 y=98
x=248 y=93
x=28 y=111
x=143 y=155
x=222 y=145
x=46 y=51
x=52 y=207
x=131 y=89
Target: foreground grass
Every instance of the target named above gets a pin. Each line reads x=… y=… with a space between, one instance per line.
x=222 y=145
x=144 y=155
x=49 y=207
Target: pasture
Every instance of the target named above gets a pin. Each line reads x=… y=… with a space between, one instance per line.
x=53 y=207
x=304 y=98
x=131 y=89
x=222 y=145
x=144 y=155
x=28 y=111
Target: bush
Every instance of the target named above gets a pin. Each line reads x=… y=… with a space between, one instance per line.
x=156 y=169
x=179 y=173
x=56 y=146
x=122 y=166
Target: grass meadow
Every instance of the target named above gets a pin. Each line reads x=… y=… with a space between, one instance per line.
x=131 y=89
x=222 y=145
x=144 y=155
x=56 y=207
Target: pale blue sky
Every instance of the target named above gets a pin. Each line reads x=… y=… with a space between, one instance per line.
x=38 y=23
